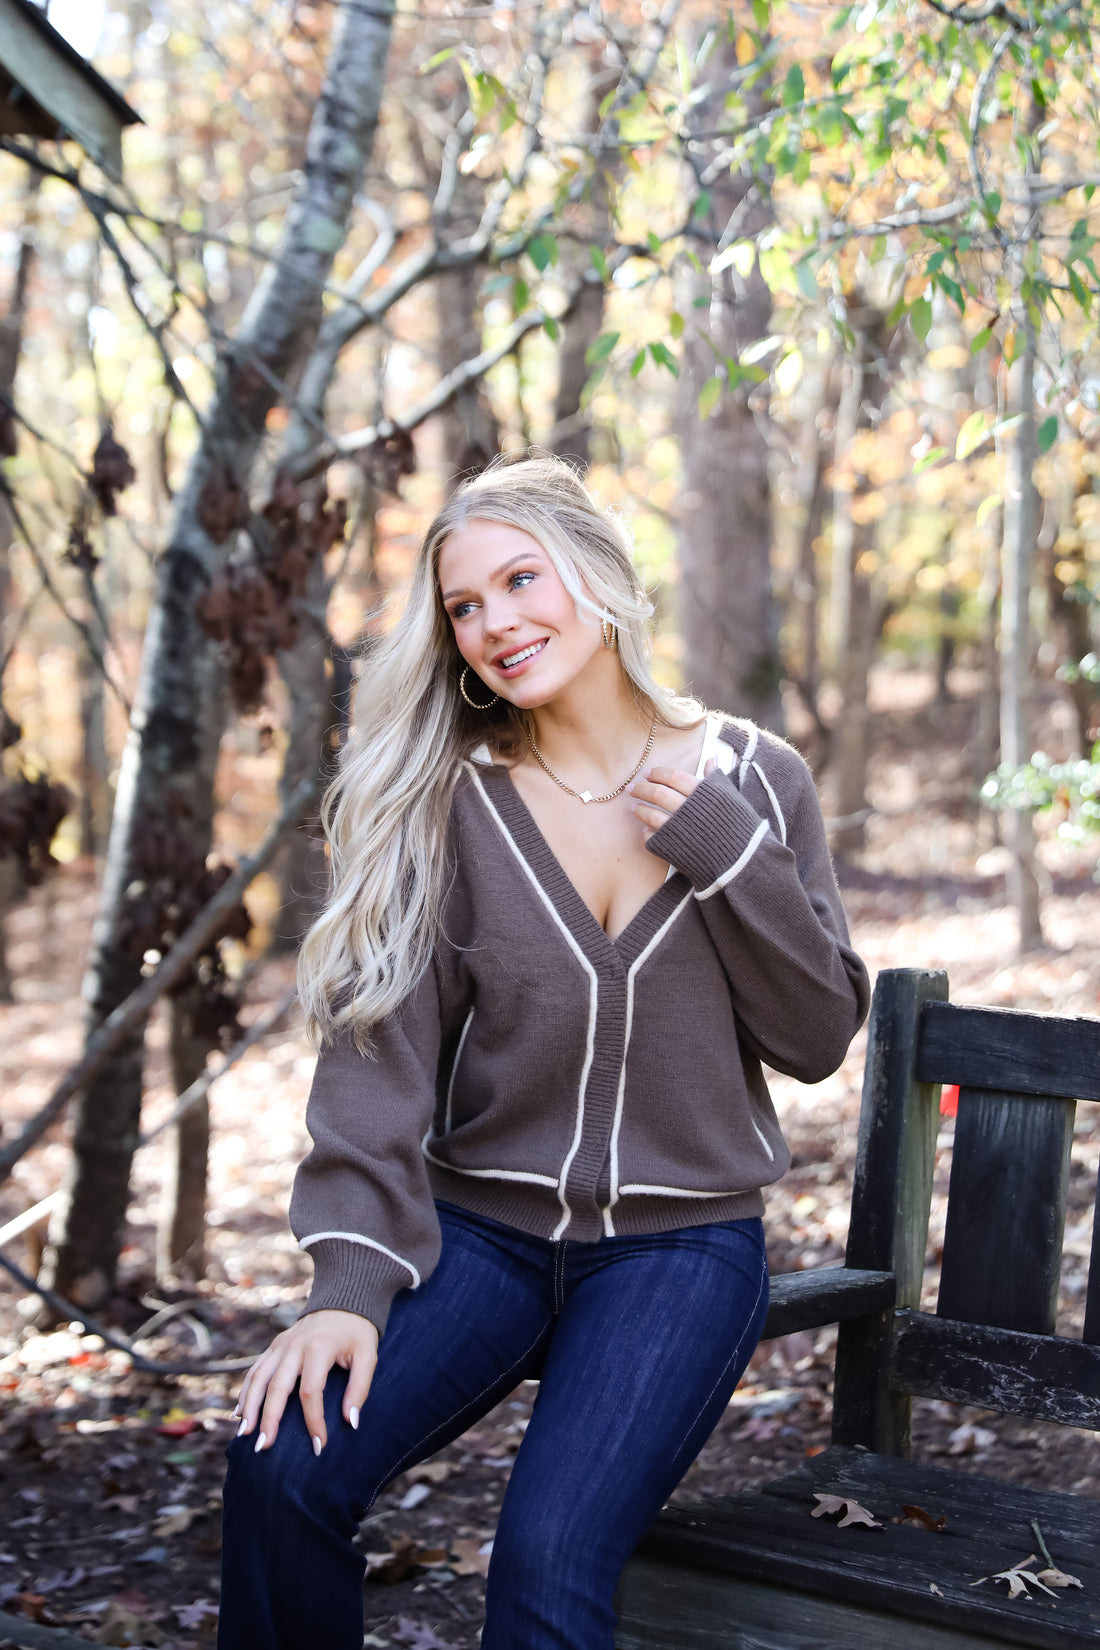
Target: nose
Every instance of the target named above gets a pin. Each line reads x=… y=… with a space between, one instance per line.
x=497 y=619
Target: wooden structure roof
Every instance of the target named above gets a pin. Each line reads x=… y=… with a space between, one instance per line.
x=48 y=90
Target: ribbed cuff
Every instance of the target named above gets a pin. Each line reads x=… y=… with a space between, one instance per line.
x=709 y=831
x=352 y=1277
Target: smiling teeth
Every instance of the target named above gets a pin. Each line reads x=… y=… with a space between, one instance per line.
x=514 y=658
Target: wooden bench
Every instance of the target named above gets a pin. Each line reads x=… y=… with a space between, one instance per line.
x=757 y=1571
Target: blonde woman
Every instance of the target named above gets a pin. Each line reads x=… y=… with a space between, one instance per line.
x=570 y=916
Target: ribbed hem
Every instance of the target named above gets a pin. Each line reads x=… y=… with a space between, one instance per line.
x=352 y=1277
x=536 y=1211
x=709 y=831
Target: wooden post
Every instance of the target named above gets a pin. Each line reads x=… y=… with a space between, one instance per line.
x=891 y=1198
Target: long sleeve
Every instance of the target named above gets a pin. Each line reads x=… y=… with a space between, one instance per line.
x=762 y=874
x=361 y=1204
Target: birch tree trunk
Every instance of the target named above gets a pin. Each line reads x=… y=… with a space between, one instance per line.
x=728 y=614
x=168 y=764
x=1018 y=553
x=1021 y=528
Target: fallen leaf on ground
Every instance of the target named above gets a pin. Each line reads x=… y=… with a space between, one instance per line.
x=191 y=1615
x=471 y=1556
x=432 y=1472
x=122 y=1626
x=414 y=1495
x=1019 y=1579
x=853 y=1512
x=932 y=1588
x=418 y=1636
x=968 y=1438
x=1058 y=1578
x=175 y=1520
x=405 y=1554
x=922 y=1520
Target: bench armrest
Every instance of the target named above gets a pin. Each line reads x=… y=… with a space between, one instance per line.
x=827 y=1294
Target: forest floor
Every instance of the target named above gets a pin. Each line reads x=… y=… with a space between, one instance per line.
x=110 y=1479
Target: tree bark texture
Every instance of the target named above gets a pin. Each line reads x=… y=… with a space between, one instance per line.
x=570 y=437
x=11 y=344
x=1021 y=531
x=857 y=606
x=728 y=614
x=168 y=764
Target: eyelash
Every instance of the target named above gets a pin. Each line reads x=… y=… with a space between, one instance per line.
x=456 y=610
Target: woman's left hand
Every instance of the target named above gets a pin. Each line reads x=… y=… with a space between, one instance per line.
x=656 y=797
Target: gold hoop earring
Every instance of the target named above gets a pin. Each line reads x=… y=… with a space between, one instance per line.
x=607 y=631
x=466 y=696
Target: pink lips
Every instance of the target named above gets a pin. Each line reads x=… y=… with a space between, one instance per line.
x=514 y=670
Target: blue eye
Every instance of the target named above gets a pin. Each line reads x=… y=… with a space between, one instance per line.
x=516 y=576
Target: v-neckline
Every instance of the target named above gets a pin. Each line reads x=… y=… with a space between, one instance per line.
x=585 y=926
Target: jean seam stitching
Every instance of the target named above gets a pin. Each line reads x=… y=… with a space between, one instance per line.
x=451 y=1419
x=729 y=1360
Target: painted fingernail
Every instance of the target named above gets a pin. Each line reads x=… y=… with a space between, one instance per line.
x=241 y=1428
x=317 y=1446
x=260 y=1442
x=353 y=1417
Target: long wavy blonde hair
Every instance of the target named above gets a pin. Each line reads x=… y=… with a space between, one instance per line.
x=386 y=811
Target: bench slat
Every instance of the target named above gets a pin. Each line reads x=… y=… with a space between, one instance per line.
x=1006 y=1211
x=1047 y=1377
x=829 y=1294
x=770 y=1538
x=1005 y=1048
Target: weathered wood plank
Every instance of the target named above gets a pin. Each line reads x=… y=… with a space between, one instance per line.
x=1006 y=1211
x=1091 y=1331
x=1005 y=1048
x=891 y=1197
x=667 y=1607
x=770 y=1539
x=1045 y=1376
x=829 y=1294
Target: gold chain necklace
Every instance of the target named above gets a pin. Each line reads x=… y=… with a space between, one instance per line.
x=586 y=796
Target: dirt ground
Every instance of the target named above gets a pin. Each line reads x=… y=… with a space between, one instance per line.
x=110 y=1479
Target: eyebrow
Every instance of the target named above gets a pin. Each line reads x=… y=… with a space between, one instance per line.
x=524 y=555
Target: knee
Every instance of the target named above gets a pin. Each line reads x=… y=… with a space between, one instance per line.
x=286 y=1477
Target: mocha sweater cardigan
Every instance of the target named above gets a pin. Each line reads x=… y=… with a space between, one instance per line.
x=576 y=1086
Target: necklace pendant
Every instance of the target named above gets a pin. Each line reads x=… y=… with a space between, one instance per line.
x=585 y=796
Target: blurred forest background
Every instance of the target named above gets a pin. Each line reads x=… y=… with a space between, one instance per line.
x=813 y=290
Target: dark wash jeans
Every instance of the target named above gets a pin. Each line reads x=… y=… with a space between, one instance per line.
x=637 y=1344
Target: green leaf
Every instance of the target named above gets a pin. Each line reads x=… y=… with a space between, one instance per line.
x=920 y=318
x=665 y=358
x=794 y=87
x=953 y=289
x=980 y=340
x=709 y=396
x=653 y=241
x=607 y=101
x=637 y=364
x=788 y=372
x=761 y=14
x=930 y=458
x=542 y=251
x=434 y=62
x=987 y=507
x=1080 y=290
x=972 y=434
x=702 y=204
x=551 y=328
x=807 y=280
x=1047 y=433
x=599 y=261
x=600 y=348
x=992 y=205
x=676 y=324
x=742 y=256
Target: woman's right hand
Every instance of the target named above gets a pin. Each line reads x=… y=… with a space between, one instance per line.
x=306 y=1352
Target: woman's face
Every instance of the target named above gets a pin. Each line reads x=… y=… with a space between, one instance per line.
x=513 y=619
